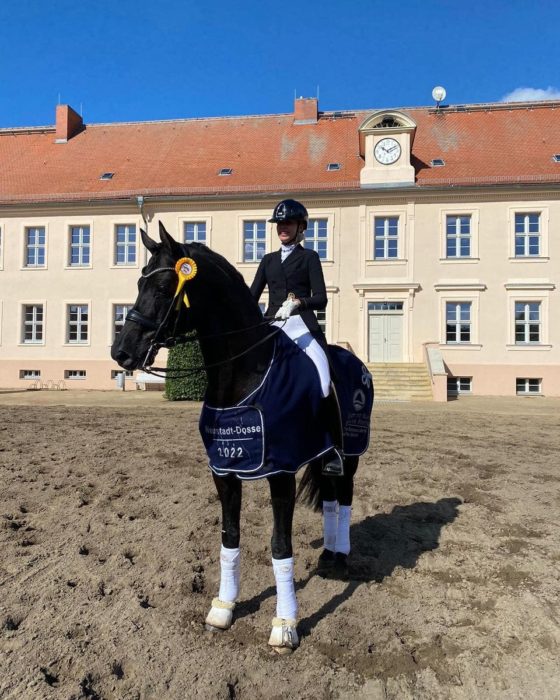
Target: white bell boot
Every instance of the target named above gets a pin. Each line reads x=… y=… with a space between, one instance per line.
x=220 y=616
x=283 y=636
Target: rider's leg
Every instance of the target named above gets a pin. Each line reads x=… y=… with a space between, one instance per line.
x=333 y=463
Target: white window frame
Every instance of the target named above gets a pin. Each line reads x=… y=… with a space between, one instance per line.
x=474 y=215
x=372 y=213
x=458 y=321
x=81 y=246
x=527 y=321
x=454 y=293
x=75 y=374
x=78 y=323
x=127 y=245
x=521 y=291
x=458 y=391
x=113 y=321
x=29 y=374
x=22 y=340
x=253 y=220
x=26 y=229
x=386 y=238
x=543 y=211
x=194 y=218
x=312 y=239
x=527 y=391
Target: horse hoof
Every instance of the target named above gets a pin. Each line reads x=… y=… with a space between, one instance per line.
x=283 y=636
x=341 y=563
x=220 y=616
x=326 y=561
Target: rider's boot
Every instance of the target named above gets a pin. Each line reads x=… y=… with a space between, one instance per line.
x=333 y=464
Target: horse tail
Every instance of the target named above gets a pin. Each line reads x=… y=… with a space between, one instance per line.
x=309 y=489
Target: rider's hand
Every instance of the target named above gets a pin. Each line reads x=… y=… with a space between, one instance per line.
x=287 y=309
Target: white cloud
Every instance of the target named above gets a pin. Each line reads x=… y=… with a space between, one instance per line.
x=527 y=94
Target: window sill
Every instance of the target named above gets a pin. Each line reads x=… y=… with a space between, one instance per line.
x=127 y=266
x=78 y=267
x=68 y=344
x=460 y=346
x=33 y=267
x=529 y=346
x=461 y=261
x=529 y=258
x=386 y=261
x=39 y=344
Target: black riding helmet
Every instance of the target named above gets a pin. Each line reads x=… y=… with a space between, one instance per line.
x=290 y=210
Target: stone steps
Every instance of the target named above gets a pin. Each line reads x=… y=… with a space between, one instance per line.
x=401 y=381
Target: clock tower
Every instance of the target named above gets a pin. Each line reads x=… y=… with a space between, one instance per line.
x=386 y=144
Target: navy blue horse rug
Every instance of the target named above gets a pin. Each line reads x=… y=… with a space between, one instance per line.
x=279 y=427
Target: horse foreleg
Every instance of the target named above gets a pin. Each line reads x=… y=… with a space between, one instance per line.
x=283 y=636
x=221 y=613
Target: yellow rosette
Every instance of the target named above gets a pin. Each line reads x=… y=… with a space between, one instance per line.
x=186 y=269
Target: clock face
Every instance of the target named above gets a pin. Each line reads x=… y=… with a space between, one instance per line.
x=387 y=151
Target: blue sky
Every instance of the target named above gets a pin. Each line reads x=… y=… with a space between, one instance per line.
x=137 y=60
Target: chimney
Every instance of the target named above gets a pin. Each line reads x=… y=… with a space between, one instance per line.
x=306 y=110
x=68 y=123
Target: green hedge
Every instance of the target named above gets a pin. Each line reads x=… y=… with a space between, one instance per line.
x=191 y=387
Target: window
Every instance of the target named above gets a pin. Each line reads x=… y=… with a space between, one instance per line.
x=194 y=232
x=385 y=305
x=458 y=236
x=225 y=171
x=386 y=237
x=125 y=244
x=524 y=386
x=75 y=374
x=459 y=385
x=119 y=316
x=80 y=246
x=437 y=162
x=77 y=323
x=527 y=322
x=316 y=237
x=322 y=320
x=527 y=234
x=127 y=372
x=35 y=246
x=254 y=240
x=29 y=374
x=333 y=166
x=32 y=323
x=458 y=322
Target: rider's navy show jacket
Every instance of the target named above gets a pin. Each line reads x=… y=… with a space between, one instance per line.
x=301 y=274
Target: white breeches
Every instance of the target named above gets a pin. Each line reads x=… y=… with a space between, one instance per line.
x=296 y=329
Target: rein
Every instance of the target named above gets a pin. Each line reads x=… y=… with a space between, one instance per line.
x=155 y=345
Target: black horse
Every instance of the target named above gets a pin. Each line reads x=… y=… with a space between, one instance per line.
x=204 y=293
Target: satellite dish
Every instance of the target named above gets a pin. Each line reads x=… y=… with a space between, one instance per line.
x=438 y=93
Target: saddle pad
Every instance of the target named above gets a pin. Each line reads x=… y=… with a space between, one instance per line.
x=288 y=402
x=354 y=387
x=233 y=438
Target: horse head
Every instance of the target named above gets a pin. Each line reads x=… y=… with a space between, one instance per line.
x=212 y=299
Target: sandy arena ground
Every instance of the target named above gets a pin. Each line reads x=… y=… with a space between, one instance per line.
x=109 y=556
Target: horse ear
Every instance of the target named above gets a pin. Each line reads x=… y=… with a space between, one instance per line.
x=167 y=240
x=150 y=244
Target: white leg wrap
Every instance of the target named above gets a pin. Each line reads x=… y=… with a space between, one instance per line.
x=343 y=530
x=283 y=635
x=330 y=520
x=229 y=575
x=221 y=615
x=286 y=603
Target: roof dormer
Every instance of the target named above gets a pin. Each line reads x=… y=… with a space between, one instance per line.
x=385 y=144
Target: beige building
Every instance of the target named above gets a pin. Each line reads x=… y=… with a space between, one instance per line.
x=438 y=231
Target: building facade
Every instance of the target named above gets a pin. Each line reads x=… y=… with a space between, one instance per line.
x=438 y=229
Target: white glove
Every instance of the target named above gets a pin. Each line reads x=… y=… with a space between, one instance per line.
x=286 y=310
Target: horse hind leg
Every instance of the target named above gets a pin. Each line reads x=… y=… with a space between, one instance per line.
x=220 y=617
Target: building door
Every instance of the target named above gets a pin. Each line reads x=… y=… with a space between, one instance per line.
x=385 y=331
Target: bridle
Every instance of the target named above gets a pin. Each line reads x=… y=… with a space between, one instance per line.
x=157 y=342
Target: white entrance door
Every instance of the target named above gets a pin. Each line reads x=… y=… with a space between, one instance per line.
x=385 y=332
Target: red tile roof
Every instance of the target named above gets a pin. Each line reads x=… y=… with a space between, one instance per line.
x=482 y=145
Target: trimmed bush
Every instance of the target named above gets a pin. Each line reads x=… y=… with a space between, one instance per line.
x=192 y=386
